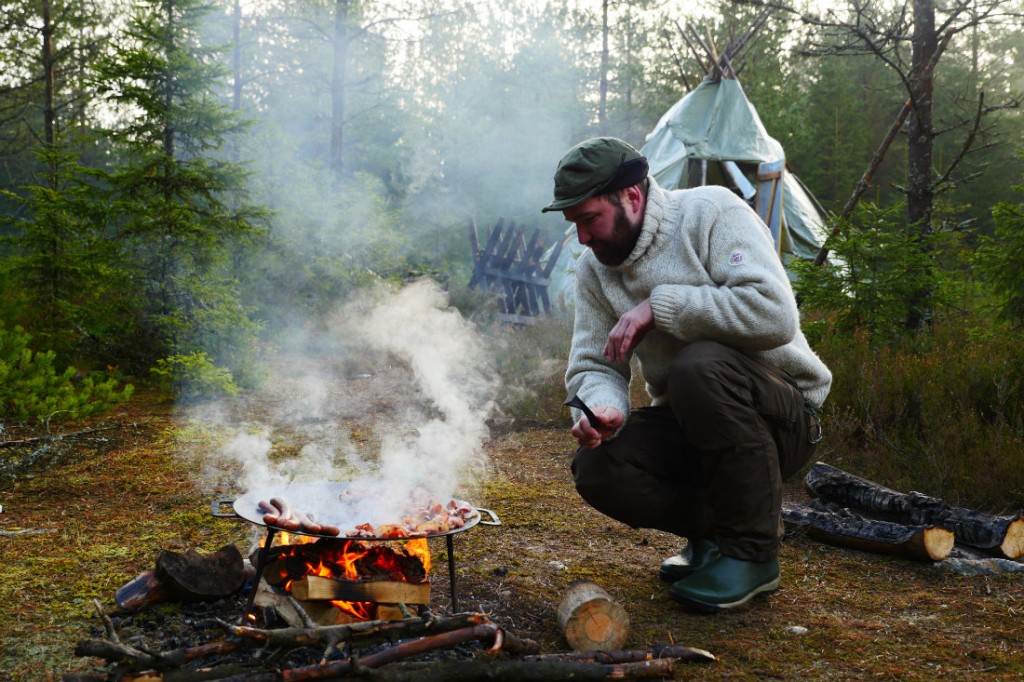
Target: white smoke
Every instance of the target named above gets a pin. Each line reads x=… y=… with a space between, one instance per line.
x=408 y=373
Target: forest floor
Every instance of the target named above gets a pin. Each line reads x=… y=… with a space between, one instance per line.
x=840 y=614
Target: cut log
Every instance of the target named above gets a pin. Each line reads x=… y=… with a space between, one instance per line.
x=196 y=577
x=591 y=620
x=1000 y=535
x=383 y=591
x=145 y=590
x=845 y=528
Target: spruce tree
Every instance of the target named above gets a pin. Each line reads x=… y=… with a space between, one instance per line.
x=181 y=206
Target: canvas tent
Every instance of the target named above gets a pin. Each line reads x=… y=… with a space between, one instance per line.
x=713 y=135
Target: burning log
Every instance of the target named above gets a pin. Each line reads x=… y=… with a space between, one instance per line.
x=999 y=535
x=352 y=558
x=590 y=619
x=840 y=526
x=314 y=587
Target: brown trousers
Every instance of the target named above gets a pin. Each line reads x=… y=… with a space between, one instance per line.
x=712 y=463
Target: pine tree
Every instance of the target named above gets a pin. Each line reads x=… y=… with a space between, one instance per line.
x=181 y=205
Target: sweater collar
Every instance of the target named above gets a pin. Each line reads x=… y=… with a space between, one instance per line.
x=654 y=217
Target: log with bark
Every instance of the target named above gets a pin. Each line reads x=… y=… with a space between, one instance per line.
x=843 y=527
x=590 y=619
x=1000 y=535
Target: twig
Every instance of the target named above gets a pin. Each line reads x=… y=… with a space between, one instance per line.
x=55 y=438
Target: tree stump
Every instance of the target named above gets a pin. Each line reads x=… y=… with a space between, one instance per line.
x=591 y=620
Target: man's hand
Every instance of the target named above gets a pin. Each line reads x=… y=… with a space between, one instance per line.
x=591 y=435
x=629 y=331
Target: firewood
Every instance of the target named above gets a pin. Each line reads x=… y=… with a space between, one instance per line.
x=144 y=590
x=673 y=651
x=195 y=577
x=1000 y=535
x=590 y=619
x=840 y=526
x=386 y=591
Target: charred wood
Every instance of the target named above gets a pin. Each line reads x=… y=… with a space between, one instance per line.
x=843 y=527
x=195 y=577
x=1000 y=535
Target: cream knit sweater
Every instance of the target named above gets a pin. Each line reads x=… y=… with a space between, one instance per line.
x=708 y=264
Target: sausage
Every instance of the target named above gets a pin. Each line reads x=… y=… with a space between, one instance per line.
x=330 y=530
x=268 y=507
x=286 y=519
x=308 y=524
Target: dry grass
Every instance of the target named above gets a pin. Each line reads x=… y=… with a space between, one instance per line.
x=866 y=616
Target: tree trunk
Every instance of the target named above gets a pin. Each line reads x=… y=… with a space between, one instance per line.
x=591 y=620
x=339 y=75
x=602 y=112
x=920 y=143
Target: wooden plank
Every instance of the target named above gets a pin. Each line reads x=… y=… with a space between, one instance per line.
x=492 y=241
x=317 y=588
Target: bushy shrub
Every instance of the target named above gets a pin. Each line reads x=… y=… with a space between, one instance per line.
x=32 y=388
x=194 y=376
x=1000 y=261
x=942 y=413
x=877 y=272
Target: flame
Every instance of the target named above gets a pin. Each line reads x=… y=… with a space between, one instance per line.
x=341 y=562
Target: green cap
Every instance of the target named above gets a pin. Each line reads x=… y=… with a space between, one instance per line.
x=596 y=166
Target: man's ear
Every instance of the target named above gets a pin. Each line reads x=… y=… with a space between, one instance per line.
x=634 y=198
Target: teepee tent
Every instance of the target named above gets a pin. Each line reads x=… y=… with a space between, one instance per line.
x=713 y=135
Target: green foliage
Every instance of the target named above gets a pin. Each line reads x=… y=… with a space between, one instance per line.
x=183 y=218
x=32 y=387
x=194 y=376
x=69 y=284
x=944 y=415
x=1000 y=261
x=877 y=268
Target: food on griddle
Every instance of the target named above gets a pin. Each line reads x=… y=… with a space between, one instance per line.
x=435 y=519
x=278 y=512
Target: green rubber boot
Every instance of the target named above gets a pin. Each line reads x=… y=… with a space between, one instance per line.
x=694 y=556
x=726 y=583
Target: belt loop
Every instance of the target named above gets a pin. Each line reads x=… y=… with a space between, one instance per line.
x=815 y=432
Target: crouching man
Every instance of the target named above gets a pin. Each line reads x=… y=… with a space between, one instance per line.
x=690 y=283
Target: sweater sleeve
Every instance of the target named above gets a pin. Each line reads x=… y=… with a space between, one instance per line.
x=748 y=301
x=597 y=381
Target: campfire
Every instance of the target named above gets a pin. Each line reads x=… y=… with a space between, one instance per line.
x=338 y=581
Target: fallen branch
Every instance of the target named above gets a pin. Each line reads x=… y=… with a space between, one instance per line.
x=56 y=437
x=1001 y=535
x=494 y=670
x=367 y=631
x=673 y=651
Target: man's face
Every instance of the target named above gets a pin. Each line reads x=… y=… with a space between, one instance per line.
x=606 y=228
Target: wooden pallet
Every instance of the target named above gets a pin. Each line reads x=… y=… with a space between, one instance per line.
x=514 y=270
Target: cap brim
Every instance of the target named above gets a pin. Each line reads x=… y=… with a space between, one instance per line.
x=562 y=204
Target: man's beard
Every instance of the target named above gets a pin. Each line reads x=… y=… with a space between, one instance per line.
x=615 y=249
